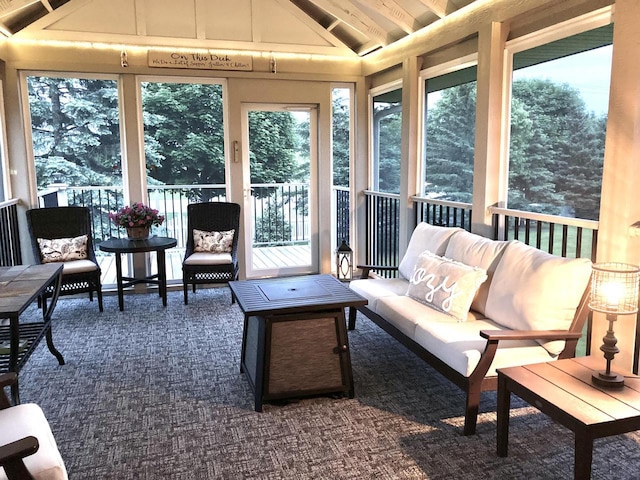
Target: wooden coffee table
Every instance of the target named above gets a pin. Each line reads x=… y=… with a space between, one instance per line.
x=294 y=341
x=564 y=391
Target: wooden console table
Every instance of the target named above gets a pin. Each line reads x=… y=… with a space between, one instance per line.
x=294 y=341
x=564 y=391
x=19 y=287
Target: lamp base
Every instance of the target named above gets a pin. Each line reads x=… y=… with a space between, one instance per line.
x=607 y=380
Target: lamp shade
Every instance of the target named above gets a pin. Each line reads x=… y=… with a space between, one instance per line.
x=614 y=288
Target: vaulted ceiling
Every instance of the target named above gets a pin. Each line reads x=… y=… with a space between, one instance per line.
x=327 y=27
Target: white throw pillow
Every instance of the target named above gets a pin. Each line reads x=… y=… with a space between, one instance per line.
x=424 y=237
x=534 y=290
x=213 y=242
x=472 y=249
x=444 y=284
x=63 y=249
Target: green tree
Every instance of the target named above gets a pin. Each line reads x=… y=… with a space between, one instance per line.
x=75 y=130
x=341 y=142
x=449 y=144
x=184 y=134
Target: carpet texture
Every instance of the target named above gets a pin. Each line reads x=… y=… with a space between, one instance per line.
x=156 y=393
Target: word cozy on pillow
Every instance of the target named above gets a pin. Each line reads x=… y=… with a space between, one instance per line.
x=62 y=249
x=444 y=284
x=213 y=242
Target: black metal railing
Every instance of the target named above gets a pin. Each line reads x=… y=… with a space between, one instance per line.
x=343 y=214
x=563 y=236
x=442 y=212
x=382 y=232
x=10 y=253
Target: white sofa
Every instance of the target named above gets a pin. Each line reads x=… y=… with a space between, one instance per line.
x=469 y=305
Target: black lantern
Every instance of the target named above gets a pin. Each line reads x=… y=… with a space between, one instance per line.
x=344 y=262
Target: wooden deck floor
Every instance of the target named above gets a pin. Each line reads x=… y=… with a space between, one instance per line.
x=264 y=258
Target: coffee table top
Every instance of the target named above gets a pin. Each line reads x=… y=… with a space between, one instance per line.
x=293 y=294
x=20 y=285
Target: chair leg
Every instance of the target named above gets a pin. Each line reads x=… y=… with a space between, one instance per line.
x=185 y=288
x=99 y=294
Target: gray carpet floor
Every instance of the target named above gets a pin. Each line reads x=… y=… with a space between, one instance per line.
x=156 y=393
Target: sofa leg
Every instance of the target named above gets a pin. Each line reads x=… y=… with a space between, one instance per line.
x=352 y=318
x=471 y=412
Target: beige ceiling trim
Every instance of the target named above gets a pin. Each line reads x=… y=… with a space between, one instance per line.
x=439 y=7
x=150 y=42
x=200 y=9
x=47 y=5
x=44 y=22
x=255 y=21
x=394 y=12
x=355 y=18
x=317 y=28
x=141 y=24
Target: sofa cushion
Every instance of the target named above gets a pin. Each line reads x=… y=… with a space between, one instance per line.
x=424 y=237
x=444 y=284
x=405 y=313
x=373 y=289
x=459 y=345
x=28 y=420
x=472 y=249
x=534 y=290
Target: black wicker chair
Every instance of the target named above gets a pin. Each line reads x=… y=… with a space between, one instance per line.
x=68 y=222
x=207 y=268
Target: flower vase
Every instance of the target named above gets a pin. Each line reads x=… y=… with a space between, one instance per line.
x=137 y=233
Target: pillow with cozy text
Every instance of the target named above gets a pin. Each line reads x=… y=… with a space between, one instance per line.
x=444 y=284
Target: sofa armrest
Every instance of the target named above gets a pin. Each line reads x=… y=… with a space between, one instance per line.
x=11 y=456
x=497 y=335
x=367 y=268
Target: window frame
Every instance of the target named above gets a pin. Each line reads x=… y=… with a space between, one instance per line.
x=574 y=26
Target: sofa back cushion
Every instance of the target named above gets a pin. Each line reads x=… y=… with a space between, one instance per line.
x=425 y=237
x=477 y=251
x=444 y=284
x=534 y=290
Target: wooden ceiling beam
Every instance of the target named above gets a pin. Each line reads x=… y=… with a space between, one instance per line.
x=394 y=12
x=439 y=7
x=9 y=7
x=355 y=18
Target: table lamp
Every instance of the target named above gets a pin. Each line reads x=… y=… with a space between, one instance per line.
x=614 y=291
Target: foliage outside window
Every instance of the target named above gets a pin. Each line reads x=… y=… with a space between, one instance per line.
x=558 y=120
x=449 y=135
x=184 y=136
x=387 y=128
x=75 y=131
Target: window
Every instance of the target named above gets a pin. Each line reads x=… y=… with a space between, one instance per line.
x=449 y=135
x=75 y=130
x=386 y=139
x=559 y=105
x=341 y=159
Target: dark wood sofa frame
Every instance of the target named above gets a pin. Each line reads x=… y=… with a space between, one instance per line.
x=478 y=381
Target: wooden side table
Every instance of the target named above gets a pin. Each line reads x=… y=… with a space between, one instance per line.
x=563 y=390
x=120 y=246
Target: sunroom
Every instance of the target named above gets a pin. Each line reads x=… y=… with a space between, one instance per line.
x=510 y=119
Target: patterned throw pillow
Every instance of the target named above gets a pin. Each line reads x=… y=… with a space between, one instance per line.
x=213 y=242
x=444 y=284
x=63 y=249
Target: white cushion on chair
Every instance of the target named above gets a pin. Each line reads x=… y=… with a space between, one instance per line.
x=29 y=420
x=202 y=258
x=78 y=266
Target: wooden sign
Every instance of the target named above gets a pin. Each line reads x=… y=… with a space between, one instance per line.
x=200 y=60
